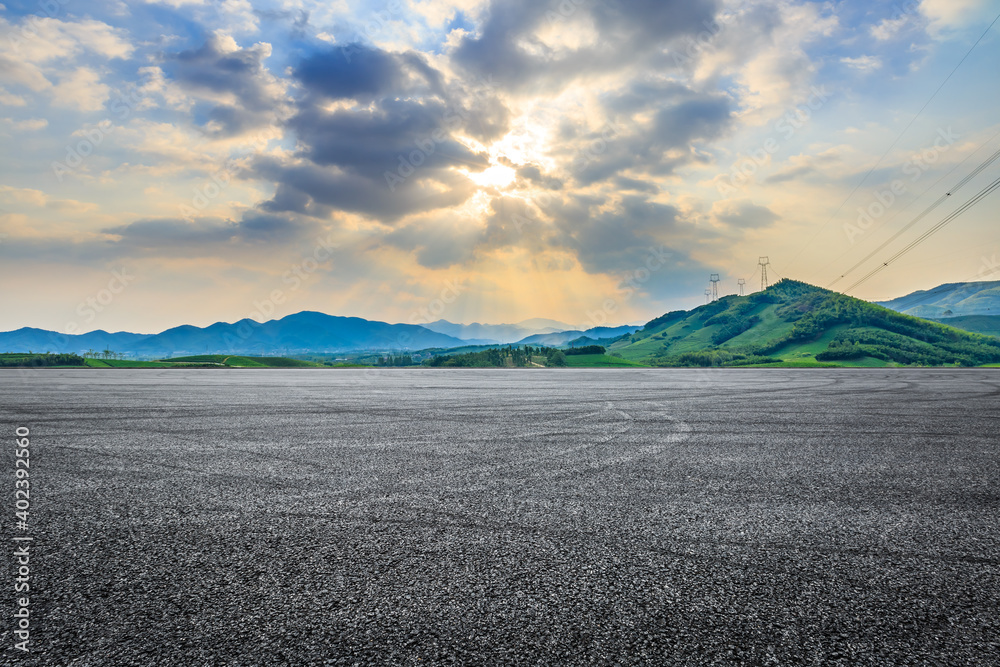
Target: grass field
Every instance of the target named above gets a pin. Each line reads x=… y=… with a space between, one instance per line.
x=236 y=361
x=599 y=361
x=124 y=363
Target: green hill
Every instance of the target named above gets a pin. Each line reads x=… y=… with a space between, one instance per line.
x=988 y=325
x=793 y=323
x=950 y=300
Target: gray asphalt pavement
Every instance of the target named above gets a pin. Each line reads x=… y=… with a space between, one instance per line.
x=438 y=516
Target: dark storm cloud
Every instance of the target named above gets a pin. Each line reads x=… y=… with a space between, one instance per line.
x=371 y=141
x=307 y=188
x=395 y=153
x=507 y=46
x=356 y=71
x=613 y=239
x=680 y=117
x=212 y=71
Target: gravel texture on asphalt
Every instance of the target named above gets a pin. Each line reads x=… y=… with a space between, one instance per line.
x=535 y=517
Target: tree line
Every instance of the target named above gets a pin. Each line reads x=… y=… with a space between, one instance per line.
x=502 y=357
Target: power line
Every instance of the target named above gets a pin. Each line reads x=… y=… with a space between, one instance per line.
x=949 y=218
x=896 y=140
x=940 y=200
x=912 y=202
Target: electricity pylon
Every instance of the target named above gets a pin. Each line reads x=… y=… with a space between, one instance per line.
x=763 y=263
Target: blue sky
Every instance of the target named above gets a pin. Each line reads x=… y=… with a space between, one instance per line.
x=591 y=161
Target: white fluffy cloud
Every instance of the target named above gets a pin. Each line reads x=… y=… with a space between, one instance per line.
x=863 y=63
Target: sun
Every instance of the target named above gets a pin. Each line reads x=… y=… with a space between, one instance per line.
x=496 y=176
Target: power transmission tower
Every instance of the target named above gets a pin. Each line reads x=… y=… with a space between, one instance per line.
x=763 y=262
x=714 y=278
x=742 y=283
x=708 y=296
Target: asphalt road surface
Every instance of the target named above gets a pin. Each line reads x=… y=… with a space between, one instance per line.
x=433 y=516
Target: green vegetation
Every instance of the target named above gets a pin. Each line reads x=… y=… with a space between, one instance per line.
x=38 y=360
x=722 y=358
x=988 y=325
x=236 y=361
x=395 y=360
x=120 y=363
x=793 y=323
x=586 y=350
x=600 y=361
x=502 y=357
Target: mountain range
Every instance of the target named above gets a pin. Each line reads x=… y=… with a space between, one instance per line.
x=578 y=338
x=305 y=332
x=490 y=334
x=950 y=300
x=789 y=322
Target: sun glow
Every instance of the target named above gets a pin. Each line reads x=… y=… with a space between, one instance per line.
x=496 y=176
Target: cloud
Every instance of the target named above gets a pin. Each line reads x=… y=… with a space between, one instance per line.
x=38 y=199
x=239 y=93
x=353 y=71
x=652 y=131
x=237 y=15
x=9 y=100
x=29 y=125
x=81 y=89
x=743 y=214
x=949 y=13
x=388 y=147
x=864 y=64
x=511 y=43
x=169 y=235
x=888 y=28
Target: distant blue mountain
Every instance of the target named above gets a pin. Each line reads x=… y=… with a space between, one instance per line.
x=591 y=335
x=950 y=300
x=485 y=334
x=301 y=333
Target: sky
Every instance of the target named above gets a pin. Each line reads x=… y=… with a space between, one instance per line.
x=173 y=162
